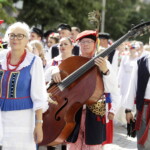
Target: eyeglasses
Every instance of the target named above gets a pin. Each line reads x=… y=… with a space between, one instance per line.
x=88 y=42
x=18 y=36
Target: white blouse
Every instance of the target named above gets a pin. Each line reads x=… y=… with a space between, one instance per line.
x=124 y=74
x=38 y=86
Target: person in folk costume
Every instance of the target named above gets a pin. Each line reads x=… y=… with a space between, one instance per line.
x=113 y=59
x=52 y=73
x=74 y=32
x=138 y=93
x=65 y=47
x=46 y=35
x=90 y=129
x=124 y=77
x=105 y=42
x=38 y=49
x=36 y=34
x=22 y=98
x=52 y=40
x=64 y=30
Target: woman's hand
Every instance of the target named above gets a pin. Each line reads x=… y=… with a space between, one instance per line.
x=38 y=133
x=101 y=63
x=56 y=77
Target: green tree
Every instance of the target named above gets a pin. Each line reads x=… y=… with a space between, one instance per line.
x=6 y=9
x=51 y=13
x=120 y=14
x=142 y=14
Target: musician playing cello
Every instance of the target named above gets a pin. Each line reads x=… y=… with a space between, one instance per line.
x=90 y=130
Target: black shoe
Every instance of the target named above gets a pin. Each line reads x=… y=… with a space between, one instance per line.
x=50 y=148
x=63 y=147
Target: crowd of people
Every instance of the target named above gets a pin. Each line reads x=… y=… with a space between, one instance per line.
x=31 y=60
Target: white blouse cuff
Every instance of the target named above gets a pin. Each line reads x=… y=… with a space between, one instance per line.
x=43 y=106
x=55 y=70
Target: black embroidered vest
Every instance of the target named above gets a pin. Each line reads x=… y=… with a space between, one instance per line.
x=143 y=77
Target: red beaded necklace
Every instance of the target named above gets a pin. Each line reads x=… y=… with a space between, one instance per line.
x=17 y=65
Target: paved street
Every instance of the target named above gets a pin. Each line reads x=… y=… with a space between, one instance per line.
x=121 y=141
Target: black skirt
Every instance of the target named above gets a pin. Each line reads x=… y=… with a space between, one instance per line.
x=95 y=130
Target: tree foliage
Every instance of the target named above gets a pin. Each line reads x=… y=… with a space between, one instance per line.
x=51 y=13
x=120 y=14
x=6 y=9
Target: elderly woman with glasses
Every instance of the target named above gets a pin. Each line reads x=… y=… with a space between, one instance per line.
x=23 y=95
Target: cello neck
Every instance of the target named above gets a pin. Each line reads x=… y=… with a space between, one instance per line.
x=87 y=66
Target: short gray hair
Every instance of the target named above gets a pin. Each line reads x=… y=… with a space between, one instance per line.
x=20 y=25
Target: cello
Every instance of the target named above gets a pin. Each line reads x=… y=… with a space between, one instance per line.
x=81 y=84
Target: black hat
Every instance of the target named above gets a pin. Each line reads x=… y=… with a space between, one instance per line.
x=63 y=27
x=103 y=35
x=37 y=31
x=47 y=33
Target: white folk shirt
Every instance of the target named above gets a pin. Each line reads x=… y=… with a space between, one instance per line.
x=131 y=94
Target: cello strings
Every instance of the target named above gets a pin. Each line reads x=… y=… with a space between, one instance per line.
x=78 y=73
x=73 y=77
